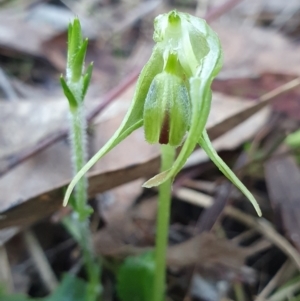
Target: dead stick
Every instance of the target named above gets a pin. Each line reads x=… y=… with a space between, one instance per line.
x=5 y=271
x=262 y=226
x=259 y=224
x=41 y=262
x=288 y=268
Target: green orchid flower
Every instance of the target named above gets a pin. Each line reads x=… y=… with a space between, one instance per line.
x=172 y=99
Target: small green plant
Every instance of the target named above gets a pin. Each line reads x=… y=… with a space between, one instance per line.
x=71 y=288
x=75 y=87
x=172 y=101
x=136 y=278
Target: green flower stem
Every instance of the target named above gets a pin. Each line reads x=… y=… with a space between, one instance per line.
x=91 y=264
x=162 y=225
x=75 y=87
x=82 y=226
x=79 y=154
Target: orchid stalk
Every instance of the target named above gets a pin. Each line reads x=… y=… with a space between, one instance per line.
x=75 y=87
x=172 y=102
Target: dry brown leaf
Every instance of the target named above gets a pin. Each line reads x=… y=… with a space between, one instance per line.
x=119 y=199
x=17 y=35
x=276 y=13
x=253 y=51
x=128 y=232
x=283 y=181
x=7 y=234
x=207 y=251
x=32 y=209
x=214 y=257
x=24 y=123
x=252 y=88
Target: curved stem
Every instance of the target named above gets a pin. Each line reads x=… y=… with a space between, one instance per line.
x=162 y=225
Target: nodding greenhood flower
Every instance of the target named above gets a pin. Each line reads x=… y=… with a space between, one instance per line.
x=173 y=96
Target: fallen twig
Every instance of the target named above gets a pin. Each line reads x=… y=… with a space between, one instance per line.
x=287 y=269
x=5 y=272
x=41 y=263
x=259 y=224
x=264 y=227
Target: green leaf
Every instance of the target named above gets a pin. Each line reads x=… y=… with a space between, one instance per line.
x=293 y=139
x=228 y=173
x=70 y=289
x=136 y=278
x=74 y=40
x=17 y=297
x=78 y=62
x=87 y=79
x=69 y=95
x=133 y=119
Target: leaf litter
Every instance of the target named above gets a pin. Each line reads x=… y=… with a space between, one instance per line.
x=257 y=60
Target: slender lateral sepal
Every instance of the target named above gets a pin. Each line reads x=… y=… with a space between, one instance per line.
x=205 y=143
